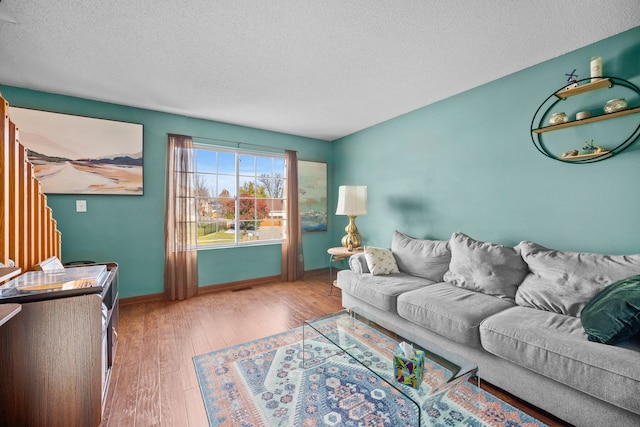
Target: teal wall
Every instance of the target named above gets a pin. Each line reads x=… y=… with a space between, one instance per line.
x=467 y=163
x=130 y=229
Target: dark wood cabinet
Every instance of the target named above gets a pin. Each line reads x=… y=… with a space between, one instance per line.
x=56 y=357
x=110 y=313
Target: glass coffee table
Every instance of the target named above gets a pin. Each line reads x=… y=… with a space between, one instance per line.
x=374 y=349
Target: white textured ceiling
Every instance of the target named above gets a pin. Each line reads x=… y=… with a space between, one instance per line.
x=316 y=68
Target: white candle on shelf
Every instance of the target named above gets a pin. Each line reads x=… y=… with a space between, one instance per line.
x=596 y=68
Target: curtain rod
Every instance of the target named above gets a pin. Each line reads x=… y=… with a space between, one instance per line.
x=238 y=143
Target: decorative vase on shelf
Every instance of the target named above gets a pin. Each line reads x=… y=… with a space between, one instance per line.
x=614 y=105
x=558 y=118
x=583 y=115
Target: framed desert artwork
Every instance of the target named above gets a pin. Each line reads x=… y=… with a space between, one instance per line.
x=82 y=155
x=312 y=185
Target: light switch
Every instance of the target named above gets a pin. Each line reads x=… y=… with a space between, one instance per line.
x=81 y=205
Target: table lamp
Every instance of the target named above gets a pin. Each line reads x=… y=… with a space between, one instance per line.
x=352 y=201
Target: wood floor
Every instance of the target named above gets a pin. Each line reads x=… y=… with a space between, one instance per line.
x=153 y=381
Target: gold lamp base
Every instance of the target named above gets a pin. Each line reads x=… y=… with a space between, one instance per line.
x=352 y=234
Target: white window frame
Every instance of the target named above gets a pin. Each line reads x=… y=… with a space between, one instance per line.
x=237 y=222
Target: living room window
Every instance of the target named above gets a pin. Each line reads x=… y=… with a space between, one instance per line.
x=239 y=196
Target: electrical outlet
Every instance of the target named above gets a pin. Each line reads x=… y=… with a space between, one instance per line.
x=81 y=205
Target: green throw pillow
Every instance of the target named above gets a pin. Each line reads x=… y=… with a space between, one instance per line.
x=613 y=314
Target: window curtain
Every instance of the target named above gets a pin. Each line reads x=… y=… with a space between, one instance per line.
x=292 y=257
x=180 y=262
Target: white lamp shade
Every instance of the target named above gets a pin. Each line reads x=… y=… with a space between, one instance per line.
x=352 y=200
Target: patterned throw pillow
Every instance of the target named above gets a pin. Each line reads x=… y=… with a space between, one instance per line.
x=380 y=261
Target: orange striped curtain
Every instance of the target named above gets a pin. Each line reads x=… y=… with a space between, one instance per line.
x=292 y=256
x=181 y=261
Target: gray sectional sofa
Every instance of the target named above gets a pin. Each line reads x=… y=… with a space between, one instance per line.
x=513 y=311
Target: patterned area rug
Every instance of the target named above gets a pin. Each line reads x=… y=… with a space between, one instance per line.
x=264 y=383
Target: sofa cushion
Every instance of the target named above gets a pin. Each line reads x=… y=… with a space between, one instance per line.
x=485 y=267
x=563 y=282
x=556 y=346
x=423 y=258
x=450 y=311
x=379 y=291
x=614 y=314
x=380 y=261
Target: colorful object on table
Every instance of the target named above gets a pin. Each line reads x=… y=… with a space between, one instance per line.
x=409 y=371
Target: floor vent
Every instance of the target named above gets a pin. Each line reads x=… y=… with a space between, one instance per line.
x=241 y=289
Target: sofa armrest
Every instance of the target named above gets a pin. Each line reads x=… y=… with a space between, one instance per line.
x=358 y=263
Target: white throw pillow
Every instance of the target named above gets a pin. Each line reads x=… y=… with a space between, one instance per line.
x=380 y=261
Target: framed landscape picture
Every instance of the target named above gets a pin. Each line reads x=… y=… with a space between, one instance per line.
x=82 y=155
x=312 y=185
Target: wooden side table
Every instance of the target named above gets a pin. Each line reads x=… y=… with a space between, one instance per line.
x=338 y=254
